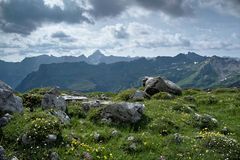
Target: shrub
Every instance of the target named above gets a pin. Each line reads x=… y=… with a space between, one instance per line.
x=162 y=95
x=101 y=136
x=189 y=99
x=40 y=126
x=39 y=91
x=229 y=148
x=125 y=95
x=209 y=100
x=32 y=100
x=191 y=91
x=226 y=90
x=204 y=121
x=76 y=110
x=77 y=149
x=163 y=126
x=183 y=108
x=133 y=144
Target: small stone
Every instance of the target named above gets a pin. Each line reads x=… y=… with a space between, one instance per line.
x=14 y=158
x=87 y=156
x=114 y=133
x=2 y=152
x=133 y=146
x=26 y=139
x=8 y=116
x=130 y=138
x=162 y=158
x=225 y=131
x=54 y=156
x=3 y=121
x=96 y=136
x=51 y=138
x=178 y=138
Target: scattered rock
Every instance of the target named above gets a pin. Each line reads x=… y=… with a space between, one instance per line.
x=87 y=156
x=123 y=112
x=96 y=136
x=14 y=158
x=114 y=133
x=178 y=138
x=189 y=99
x=64 y=118
x=51 y=138
x=91 y=104
x=54 y=156
x=26 y=140
x=155 y=85
x=53 y=100
x=225 y=131
x=205 y=121
x=2 y=152
x=162 y=158
x=8 y=101
x=138 y=96
x=5 y=119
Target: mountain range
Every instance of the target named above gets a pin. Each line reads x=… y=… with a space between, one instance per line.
x=187 y=70
x=14 y=72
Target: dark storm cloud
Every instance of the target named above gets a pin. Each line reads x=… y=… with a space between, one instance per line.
x=24 y=16
x=108 y=8
x=175 y=8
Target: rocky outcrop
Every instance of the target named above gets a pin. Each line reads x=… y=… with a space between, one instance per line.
x=9 y=102
x=123 y=112
x=53 y=100
x=139 y=96
x=155 y=85
x=61 y=115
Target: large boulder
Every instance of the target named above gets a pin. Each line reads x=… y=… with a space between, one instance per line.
x=155 y=85
x=123 y=112
x=8 y=101
x=53 y=100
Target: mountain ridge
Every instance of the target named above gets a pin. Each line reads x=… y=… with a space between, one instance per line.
x=188 y=70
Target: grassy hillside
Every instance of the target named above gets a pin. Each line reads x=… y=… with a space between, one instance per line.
x=197 y=125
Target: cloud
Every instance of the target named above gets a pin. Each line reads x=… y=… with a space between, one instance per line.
x=175 y=8
x=231 y=7
x=108 y=8
x=118 y=31
x=59 y=34
x=25 y=16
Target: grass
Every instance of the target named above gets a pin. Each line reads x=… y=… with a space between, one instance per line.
x=154 y=137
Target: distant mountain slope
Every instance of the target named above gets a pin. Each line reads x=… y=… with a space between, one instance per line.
x=112 y=77
x=14 y=73
x=214 y=71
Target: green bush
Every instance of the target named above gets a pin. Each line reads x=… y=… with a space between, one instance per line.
x=41 y=125
x=163 y=126
x=162 y=95
x=125 y=95
x=207 y=99
x=76 y=110
x=204 y=121
x=32 y=100
x=183 y=108
x=226 y=90
x=229 y=148
x=133 y=144
x=191 y=91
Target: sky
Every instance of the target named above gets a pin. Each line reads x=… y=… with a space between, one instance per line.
x=118 y=27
